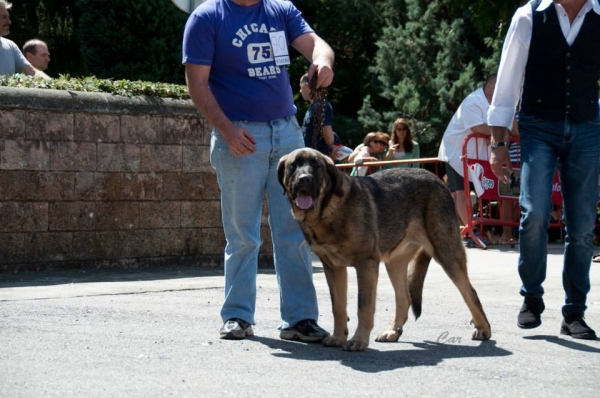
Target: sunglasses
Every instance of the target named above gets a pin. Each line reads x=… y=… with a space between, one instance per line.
x=379 y=142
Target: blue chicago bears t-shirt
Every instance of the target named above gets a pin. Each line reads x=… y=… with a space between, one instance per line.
x=234 y=41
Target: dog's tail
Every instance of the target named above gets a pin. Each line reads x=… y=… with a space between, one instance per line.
x=417 y=270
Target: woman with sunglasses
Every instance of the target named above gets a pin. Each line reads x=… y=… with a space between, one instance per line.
x=373 y=149
x=402 y=145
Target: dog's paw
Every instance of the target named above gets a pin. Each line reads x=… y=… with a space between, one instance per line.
x=355 y=345
x=482 y=334
x=389 y=336
x=334 y=341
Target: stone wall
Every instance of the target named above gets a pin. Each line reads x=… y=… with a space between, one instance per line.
x=92 y=180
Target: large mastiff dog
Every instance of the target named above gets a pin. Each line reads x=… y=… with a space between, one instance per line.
x=402 y=217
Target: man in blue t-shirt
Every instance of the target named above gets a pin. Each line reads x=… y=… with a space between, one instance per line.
x=235 y=54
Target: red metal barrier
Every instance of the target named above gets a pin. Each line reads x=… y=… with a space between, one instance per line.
x=491 y=193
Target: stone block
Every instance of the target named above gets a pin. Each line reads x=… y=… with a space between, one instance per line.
x=196 y=158
x=11 y=247
x=87 y=185
x=48 y=246
x=96 y=245
x=26 y=155
x=183 y=186
x=139 y=243
x=187 y=131
x=180 y=242
x=71 y=216
x=47 y=186
x=211 y=186
x=160 y=215
x=77 y=156
x=119 y=157
x=13 y=185
x=161 y=158
x=91 y=127
x=213 y=241
x=136 y=129
x=201 y=214
x=50 y=126
x=125 y=186
x=14 y=123
x=266 y=241
x=117 y=215
x=23 y=216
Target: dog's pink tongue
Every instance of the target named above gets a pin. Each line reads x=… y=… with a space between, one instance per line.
x=304 y=201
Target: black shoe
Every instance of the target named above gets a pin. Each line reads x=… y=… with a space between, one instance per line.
x=529 y=316
x=306 y=330
x=236 y=329
x=575 y=326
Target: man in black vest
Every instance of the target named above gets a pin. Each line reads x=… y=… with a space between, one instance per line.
x=551 y=63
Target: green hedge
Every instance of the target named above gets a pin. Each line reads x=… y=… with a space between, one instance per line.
x=93 y=84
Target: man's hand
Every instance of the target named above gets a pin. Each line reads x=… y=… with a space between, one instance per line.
x=324 y=74
x=498 y=159
x=320 y=56
x=240 y=141
x=500 y=156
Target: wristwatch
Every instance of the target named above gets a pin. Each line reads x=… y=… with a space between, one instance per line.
x=495 y=145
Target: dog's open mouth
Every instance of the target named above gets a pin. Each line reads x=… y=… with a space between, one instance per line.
x=304 y=201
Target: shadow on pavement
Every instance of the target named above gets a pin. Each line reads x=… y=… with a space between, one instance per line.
x=427 y=353
x=48 y=278
x=573 y=345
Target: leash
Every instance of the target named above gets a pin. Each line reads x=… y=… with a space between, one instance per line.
x=319 y=104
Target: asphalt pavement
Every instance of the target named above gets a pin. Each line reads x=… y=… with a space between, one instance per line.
x=154 y=333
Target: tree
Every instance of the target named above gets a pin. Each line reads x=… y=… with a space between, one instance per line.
x=133 y=40
x=426 y=63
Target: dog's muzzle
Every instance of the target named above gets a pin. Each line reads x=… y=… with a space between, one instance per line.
x=302 y=191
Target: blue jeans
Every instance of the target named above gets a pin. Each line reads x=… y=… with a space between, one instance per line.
x=574 y=148
x=243 y=182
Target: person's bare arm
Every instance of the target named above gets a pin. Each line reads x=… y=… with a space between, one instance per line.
x=481 y=129
x=515 y=128
x=500 y=157
x=31 y=71
x=327 y=133
x=320 y=55
x=239 y=140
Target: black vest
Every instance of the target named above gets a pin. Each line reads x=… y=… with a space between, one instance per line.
x=561 y=79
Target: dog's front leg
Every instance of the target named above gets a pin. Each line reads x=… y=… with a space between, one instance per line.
x=337 y=279
x=366 y=275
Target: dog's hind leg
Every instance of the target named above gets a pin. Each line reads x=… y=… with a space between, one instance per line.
x=454 y=263
x=337 y=280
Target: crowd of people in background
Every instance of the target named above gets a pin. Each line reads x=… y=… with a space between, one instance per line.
x=12 y=60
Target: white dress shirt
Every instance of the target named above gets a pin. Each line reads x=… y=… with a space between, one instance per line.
x=515 y=53
x=471 y=112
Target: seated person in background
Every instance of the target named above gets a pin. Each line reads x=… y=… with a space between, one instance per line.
x=36 y=52
x=11 y=59
x=470 y=117
x=323 y=141
x=371 y=150
x=402 y=146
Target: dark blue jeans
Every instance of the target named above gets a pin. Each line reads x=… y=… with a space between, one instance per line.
x=575 y=149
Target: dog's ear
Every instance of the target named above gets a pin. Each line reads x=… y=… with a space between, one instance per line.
x=335 y=177
x=281 y=171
